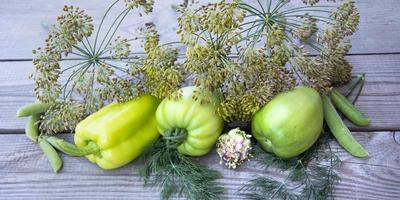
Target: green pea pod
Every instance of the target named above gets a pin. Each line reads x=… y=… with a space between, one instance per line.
x=348 y=109
x=51 y=154
x=340 y=130
x=32 y=108
x=32 y=127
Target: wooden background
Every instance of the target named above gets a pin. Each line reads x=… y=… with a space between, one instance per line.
x=26 y=174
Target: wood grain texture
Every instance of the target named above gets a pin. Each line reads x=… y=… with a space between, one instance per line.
x=20 y=33
x=380 y=98
x=25 y=173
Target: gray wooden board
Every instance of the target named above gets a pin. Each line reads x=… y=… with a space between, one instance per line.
x=26 y=174
x=23 y=24
x=380 y=98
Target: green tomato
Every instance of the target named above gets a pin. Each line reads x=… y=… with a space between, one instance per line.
x=290 y=123
x=196 y=125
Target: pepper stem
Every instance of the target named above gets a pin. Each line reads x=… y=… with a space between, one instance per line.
x=175 y=137
x=71 y=149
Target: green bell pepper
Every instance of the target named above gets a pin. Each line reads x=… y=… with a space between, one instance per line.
x=190 y=125
x=116 y=134
x=290 y=123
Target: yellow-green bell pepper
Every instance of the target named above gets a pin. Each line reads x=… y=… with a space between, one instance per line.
x=116 y=134
x=189 y=125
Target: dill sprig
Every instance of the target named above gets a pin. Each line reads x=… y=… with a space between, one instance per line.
x=103 y=71
x=163 y=74
x=267 y=42
x=312 y=175
x=177 y=174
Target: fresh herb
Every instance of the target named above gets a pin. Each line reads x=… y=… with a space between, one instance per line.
x=310 y=176
x=267 y=43
x=177 y=174
x=103 y=69
x=246 y=53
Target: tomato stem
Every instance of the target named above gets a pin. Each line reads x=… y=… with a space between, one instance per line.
x=175 y=137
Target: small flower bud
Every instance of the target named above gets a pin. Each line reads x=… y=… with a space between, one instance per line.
x=234 y=148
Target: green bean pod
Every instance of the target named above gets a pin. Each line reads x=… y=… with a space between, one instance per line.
x=348 y=109
x=340 y=130
x=32 y=127
x=32 y=108
x=51 y=154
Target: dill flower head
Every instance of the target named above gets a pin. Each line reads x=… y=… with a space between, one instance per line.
x=222 y=16
x=146 y=5
x=307 y=28
x=162 y=74
x=208 y=66
x=234 y=148
x=120 y=48
x=47 y=73
x=73 y=25
x=188 y=23
x=61 y=116
x=310 y=2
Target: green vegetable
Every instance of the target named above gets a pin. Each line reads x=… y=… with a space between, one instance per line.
x=290 y=123
x=32 y=127
x=348 y=109
x=190 y=125
x=116 y=134
x=33 y=108
x=51 y=154
x=340 y=130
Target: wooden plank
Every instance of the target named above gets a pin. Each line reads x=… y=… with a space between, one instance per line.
x=380 y=98
x=26 y=30
x=25 y=173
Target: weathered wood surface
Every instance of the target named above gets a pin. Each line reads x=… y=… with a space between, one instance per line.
x=25 y=173
x=23 y=24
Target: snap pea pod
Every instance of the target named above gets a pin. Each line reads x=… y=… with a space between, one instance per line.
x=32 y=127
x=32 y=108
x=340 y=130
x=51 y=154
x=348 y=109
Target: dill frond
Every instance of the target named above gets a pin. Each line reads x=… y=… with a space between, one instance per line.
x=311 y=175
x=177 y=174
